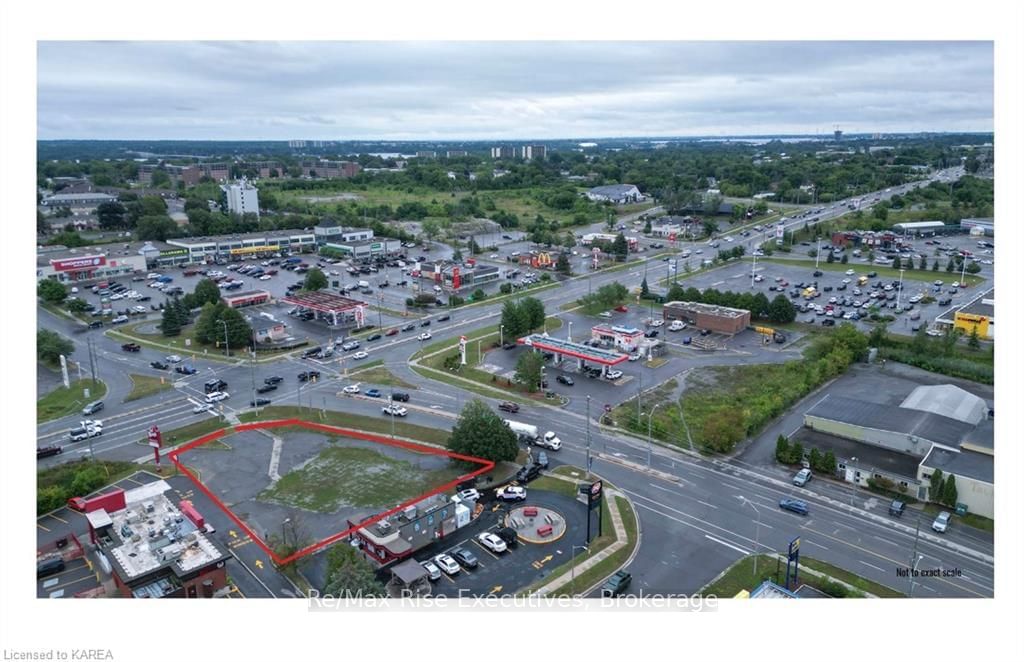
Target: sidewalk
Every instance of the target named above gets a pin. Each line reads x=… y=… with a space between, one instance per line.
x=581 y=567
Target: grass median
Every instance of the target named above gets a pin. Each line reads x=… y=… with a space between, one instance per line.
x=355 y=421
x=186 y=433
x=146 y=385
x=62 y=401
x=741 y=576
x=382 y=376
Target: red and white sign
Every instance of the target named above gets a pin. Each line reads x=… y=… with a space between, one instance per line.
x=456 y=278
x=79 y=263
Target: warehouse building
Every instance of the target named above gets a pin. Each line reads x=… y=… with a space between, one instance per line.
x=718 y=319
x=935 y=427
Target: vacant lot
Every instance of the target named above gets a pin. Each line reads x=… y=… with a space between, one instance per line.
x=341 y=477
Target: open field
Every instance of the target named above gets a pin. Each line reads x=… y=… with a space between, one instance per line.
x=63 y=401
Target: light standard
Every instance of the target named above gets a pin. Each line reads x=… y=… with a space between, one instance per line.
x=227 y=352
x=686 y=427
x=817 y=255
x=753 y=271
x=853 y=461
x=284 y=533
x=914 y=557
x=569 y=336
x=757 y=533
x=588 y=436
x=501 y=335
x=899 y=293
x=650 y=422
x=572 y=581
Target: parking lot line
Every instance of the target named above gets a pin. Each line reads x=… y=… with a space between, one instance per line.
x=75 y=581
x=59 y=519
x=485 y=549
x=447 y=576
x=42 y=527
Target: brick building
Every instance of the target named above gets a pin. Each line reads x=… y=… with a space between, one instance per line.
x=718 y=319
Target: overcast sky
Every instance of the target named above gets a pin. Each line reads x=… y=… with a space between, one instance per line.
x=507 y=90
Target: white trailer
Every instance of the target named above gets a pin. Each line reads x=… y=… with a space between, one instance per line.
x=524 y=431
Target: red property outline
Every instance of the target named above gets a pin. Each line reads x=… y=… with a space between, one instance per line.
x=487 y=465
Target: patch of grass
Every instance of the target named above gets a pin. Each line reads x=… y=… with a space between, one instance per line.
x=862 y=268
x=446 y=378
x=380 y=425
x=64 y=401
x=146 y=385
x=354 y=477
x=741 y=576
x=185 y=433
x=656 y=363
x=56 y=484
x=611 y=564
x=857 y=581
x=381 y=375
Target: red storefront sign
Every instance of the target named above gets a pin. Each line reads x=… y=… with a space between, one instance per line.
x=79 y=263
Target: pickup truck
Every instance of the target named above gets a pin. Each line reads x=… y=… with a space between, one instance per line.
x=131 y=347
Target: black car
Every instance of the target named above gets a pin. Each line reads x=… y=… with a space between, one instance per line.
x=509 y=535
x=409 y=327
x=564 y=379
x=872 y=274
x=312 y=352
x=842 y=287
x=444 y=318
x=652 y=333
x=897 y=507
x=465 y=558
x=309 y=375
x=185 y=370
x=528 y=473
x=398 y=396
x=273 y=380
x=267 y=388
x=259 y=402
x=616 y=584
x=159 y=365
x=818 y=274
x=96 y=325
x=509 y=345
x=828 y=321
x=373 y=337
x=425 y=323
x=47 y=451
x=510 y=407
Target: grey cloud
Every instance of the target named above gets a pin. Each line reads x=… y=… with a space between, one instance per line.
x=496 y=90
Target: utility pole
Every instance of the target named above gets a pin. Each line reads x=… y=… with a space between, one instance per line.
x=92 y=362
x=588 y=436
x=817 y=255
x=753 y=272
x=252 y=370
x=914 y=559
x=227 y=352
x=757 y=534
x=650 y=424
x=639 y=392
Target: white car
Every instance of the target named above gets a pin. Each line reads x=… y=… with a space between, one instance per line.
x=635 y=357
x=120 y=319
x=116 y=297
x=173 y=358
x=469 y=495
x=265 y=277
x=495 y=256
x=492 y=542
x=511 y=493
x=359 y=355
x=335 y=272
x=351 y=389
x=613 y=374
x=201 y=407
x=846 y=281
x=217 y=396
x=758 y=278
x=656 y=323
x=729 y=239
x=433 y=572
x=424 y=336
x=605 y=314
x=447 y=564
x=394 y=410
x=677 y=325
x=850 y=272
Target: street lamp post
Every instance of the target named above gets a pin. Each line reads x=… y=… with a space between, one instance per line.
x=284 y=532
x=753 y=272
x=572 y=563
x=914 y=558
x=853 y=491
x=686 y=427
x=501 y=335
x=588 y=435
x=757 y=533
x=650 y=423
x=899 y=293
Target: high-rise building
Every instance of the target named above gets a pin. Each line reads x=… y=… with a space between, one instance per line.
x=243 y=198
x=838 y=134
x=504 y=152
x=534 y=151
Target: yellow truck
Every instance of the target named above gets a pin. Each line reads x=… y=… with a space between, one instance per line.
x=810 y=292
x=862 y=281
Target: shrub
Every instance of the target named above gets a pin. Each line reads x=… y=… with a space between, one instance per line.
x=835 y=589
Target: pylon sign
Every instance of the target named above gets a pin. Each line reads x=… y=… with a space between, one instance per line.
x=155 y=440
x=456 y=278
x=462 y=349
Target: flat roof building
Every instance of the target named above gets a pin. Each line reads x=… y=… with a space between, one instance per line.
x=236 y=246
x=77 y=200
x=978 y=314
x=365 y=249
x=154 y=548
x=77 y=265
x=719 y=319
x=335 y=309
x=245 y=299
x=616 y=193
x=243 y=198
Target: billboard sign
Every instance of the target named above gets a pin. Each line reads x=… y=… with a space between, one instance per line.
x=79 y=263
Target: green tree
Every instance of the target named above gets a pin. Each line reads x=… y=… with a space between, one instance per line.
x=349 y=575
x=909 y=266
x=782 y=449
x=155 y=228
x=513 y=318
x=721 y=433
x=620 y=247
x=830 y=258
x=529 y=370
x=170 y=321
x=935 y=486
x=644 y=290
x=474 y=248
x=77 y=305
x=797 y=452
x=42 y=227
x=949 y=492
x=533 y=312
x=828 y=463
x=480 y=432
x=844 y=259
x=111 y=215
x=896 y=263
x=950 y=265
x=647 y=226
x=881 y=212
x=50 y=345
x=781 y=310
x=919 y=345
x=562 y=264
x=815 y=459
x=206 y=292
x=922 y=263
x=51 y=291
x=315 y=280
x=972 y=340
x=935 y=265
x=973 y=268
x=431 y=228
x=160 y=179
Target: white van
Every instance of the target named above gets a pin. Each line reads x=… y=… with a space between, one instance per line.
x=677 y=325
x=364 y=284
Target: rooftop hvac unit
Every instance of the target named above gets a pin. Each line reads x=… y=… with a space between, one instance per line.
x=170 y=552
x=384 y=526
x=410 y=512
x=148 y=505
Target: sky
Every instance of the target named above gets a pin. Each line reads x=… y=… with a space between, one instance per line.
x=507 y=90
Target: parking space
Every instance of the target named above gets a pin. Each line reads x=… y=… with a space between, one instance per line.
x=77 y=577
x=515 y=568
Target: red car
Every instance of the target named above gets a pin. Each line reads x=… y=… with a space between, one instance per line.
x=391 y=332
x=621 y=309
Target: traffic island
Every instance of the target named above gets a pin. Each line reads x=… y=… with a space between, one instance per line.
x=536 y=524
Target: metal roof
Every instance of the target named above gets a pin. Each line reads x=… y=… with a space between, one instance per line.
x=967 y=464
x=323 y=301
x=573 y=349
x=922 y=424
x=947 y=400
x=614 y=190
